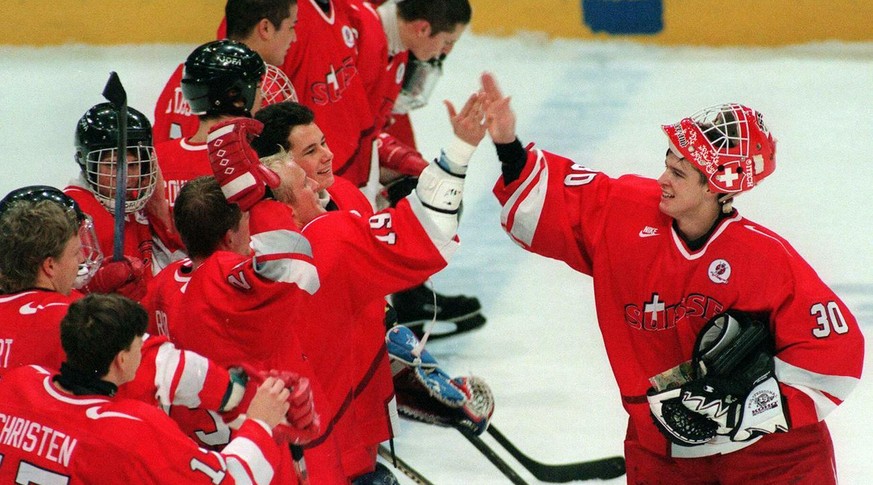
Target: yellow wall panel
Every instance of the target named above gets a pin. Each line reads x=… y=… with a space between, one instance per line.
x=693 y=22
x=42 y=22
x=690 y=22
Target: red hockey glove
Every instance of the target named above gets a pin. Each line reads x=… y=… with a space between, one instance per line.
x=395 y=155
x=242 y=176
x=124 y=277
x=303 y=424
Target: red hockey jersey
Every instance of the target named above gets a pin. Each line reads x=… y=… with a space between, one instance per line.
x=30 y=334
x=181 y=161
x=173 y=118
x=52 y=437
x=381 y=68
x=322 y=67
x=239 y=309
x=653 y=294
x=164 y=295
x=30 y=328
x=137 y=234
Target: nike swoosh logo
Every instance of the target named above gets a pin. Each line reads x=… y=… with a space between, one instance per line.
x=30 y=309
x=94 y=413
x=648 y=234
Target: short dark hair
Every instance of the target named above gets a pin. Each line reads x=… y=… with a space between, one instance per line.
x=442 y=15
x=98 y=327
x=243 y=15
x=279 y=119
x=203 y=216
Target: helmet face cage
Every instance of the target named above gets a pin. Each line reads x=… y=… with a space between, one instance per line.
x=729 y=142
x=142 y=176
x=91 y=254
x=276 y=87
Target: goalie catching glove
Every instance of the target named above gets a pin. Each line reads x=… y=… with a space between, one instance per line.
x=734 y=394
x=426 y=393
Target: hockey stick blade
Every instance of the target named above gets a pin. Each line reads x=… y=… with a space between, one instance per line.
x=403 y=466
x=115 y=94
x=114 y=91
x=603 y=468
x=486 y=450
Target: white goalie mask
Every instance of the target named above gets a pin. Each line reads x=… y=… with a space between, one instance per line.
x=276 y=87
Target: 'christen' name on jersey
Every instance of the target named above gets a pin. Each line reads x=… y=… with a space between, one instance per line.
x=32 y=437
x=659 y=315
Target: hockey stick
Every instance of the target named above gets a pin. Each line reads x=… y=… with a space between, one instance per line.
x=115 y=94
x=403 y=466
x=604 y=468
x=491 y=455
x=299 y=464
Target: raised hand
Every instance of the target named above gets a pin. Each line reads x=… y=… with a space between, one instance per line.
x=469 y=124
x=499 y=117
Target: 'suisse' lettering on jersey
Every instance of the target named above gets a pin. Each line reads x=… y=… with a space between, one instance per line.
x=336 y=81
x=655 y=314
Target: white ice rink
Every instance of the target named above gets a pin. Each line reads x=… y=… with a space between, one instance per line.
x=601 y=104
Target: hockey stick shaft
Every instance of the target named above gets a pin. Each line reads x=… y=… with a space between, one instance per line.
x=492 y=456
x=115 y=94
x=299 y=464
x=403 y=466
x=604 y=468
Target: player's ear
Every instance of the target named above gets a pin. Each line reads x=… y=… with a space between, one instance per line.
x=48 y=266
x=264 y=28
x=422 y=28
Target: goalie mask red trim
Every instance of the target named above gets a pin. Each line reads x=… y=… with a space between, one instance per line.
x=729 y=143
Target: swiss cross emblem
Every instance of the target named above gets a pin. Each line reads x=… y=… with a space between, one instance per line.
x=728 y=175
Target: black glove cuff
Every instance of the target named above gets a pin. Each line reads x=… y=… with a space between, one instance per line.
x=513 y=158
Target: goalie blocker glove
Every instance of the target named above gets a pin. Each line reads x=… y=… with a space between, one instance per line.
x=735 y=393
x=426 y=393
x=441 y=184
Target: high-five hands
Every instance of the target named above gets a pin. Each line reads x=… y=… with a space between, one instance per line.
x=499 y=117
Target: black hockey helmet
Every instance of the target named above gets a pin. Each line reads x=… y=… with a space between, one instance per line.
x=92 y=256
x=97 y=136
x=36 y=193
x=220 y=74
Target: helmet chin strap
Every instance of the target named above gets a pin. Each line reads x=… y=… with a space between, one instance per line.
x=727 y=203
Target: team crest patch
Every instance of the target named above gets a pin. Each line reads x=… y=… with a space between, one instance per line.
x=719 y=271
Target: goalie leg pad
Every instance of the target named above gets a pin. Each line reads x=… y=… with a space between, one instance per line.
x=400 y=342
x=427 y=393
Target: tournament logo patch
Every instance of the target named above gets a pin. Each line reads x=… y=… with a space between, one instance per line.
x=348 y=36
x=762 y=401
x=719 y=271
